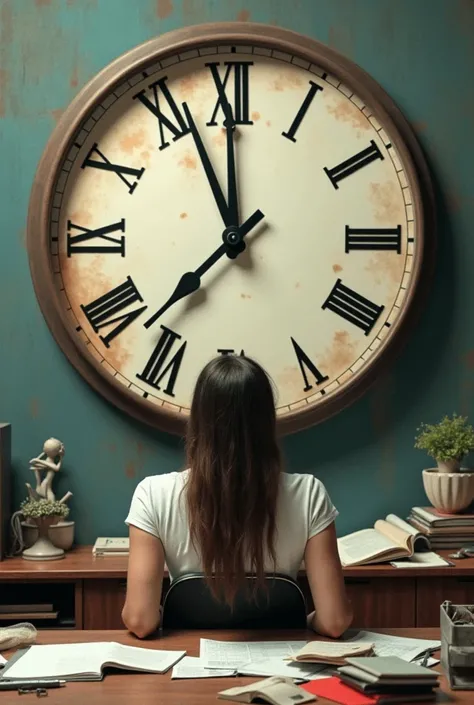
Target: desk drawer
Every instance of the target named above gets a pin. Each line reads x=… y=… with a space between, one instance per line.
x=431 y=592
x=103 y=603
x=382 y=602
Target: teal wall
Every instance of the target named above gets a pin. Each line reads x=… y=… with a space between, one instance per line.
x=422 y=53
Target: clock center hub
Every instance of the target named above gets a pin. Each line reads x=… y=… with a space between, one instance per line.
x=234 y=241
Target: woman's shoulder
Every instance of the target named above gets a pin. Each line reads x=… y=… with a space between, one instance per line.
x=165 y=482
x=299 y=481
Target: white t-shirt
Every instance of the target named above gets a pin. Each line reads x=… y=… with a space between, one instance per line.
x=159 y=508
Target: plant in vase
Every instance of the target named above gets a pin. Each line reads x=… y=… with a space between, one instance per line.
x=44 y=513
x=449 y=487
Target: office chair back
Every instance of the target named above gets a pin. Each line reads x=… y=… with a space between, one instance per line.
x=189 y=604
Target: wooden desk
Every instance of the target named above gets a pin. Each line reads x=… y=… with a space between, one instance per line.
x=148 y=689
x=382 y=596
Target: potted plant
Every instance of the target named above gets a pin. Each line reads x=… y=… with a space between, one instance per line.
x=449 y=487
x=43 y=513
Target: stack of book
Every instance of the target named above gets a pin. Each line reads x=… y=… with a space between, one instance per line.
x=111 y=547
x=389 y=678
x=449 y=531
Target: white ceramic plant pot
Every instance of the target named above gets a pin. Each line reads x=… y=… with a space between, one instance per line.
x=449 y=492
x=43 y=549
x=61 y=534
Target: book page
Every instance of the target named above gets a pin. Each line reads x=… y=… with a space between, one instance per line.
x=233 y=654
x=140 y=659
x=333 y=649
x=57 y=661
x=394 y=533
x=285 y=669
x=193 y=667
x=363 y=545
x=402 y=524
x=425 y=559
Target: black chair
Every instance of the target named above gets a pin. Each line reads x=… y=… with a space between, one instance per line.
x=189 y=604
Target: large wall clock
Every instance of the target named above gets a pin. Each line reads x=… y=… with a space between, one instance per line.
x=227 y=188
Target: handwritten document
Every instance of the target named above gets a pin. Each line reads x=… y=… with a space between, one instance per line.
x=233 y=654
x=405 y=648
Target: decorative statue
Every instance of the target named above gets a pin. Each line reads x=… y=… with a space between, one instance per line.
x=49 y=462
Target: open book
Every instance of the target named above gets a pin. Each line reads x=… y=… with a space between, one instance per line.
x=332 y=652
x=86 y=662
x=277 y=691
x=390 y=538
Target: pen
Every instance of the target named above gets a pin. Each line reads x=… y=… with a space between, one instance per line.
x=30 y=684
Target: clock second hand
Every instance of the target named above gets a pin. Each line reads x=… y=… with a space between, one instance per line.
x=191 y=281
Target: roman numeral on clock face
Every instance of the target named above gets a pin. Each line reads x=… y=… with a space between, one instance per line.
x=110 y=308
x=240 y=103
x=314 y=88
x=175 y=124
x=353 y=307
x=99 y=240
x=350 y=166
x=123 y=172
x=162 y=364
x=306 y=363
x=374 y=239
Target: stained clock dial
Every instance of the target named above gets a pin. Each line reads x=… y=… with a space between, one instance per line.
x=227 y=199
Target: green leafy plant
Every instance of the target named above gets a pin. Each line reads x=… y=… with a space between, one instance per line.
x=37 y=508
x=449 y=440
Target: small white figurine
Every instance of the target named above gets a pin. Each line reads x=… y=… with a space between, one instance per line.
x=49 y=461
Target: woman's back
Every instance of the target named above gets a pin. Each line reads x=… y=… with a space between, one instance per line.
x=303 y=510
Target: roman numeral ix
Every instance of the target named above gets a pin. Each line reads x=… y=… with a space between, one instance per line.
x=305 y=362
x=353 y=307
x=161 y=363
x=175 y=123
x=122 y=171
x=350 y=166
x=240 y=103
x=109 y=309
x=102 y=240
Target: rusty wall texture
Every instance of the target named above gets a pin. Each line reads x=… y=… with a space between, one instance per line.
x=422 y=53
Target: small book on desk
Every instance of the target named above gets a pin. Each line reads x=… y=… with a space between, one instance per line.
x=390 y=538
x=107 y=546
x=276 y=691
x=331 y=652
x=86 y=662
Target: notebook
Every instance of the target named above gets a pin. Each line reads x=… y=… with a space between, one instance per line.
x=86 y=662
x=332 y=652
x=277 y=691
x=390 y=667
x=370 y=678
x=333 y=689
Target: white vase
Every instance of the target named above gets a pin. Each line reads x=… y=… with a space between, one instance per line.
x=43 y=549
x=449 y=492
x=61 y=534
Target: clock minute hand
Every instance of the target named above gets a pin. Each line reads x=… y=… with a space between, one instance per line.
x=229 y=124
x=210 y=173
x=191 y=281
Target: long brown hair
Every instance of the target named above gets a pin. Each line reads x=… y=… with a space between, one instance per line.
x=234 y=462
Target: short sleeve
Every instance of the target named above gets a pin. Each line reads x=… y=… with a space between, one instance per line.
x=141 y=512
x=322 y=511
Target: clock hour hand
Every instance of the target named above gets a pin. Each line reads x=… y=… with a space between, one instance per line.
x=232 y=197
x=210 y=173
x=191 y=281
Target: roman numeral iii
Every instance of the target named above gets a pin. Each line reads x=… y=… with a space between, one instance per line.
x=305 y=363
x=374 y=239
x=110 y=308
x=350 y=166
x=174 y=122
x=123 y=172
x=96 y=241
x=240 y=102
x=355 y=308
x=161 y=365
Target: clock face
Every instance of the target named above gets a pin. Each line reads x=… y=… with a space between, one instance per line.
x=317 y=262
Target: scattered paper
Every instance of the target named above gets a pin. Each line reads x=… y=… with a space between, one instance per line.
x=193 y=667
x=278 y=667
x=425 y=559
x=405 y=648
x=233 y=654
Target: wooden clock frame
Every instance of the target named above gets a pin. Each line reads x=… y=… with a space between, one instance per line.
x=158 y=49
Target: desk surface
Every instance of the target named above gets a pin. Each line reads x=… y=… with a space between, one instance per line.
x=145 y=689
x=81 y=564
